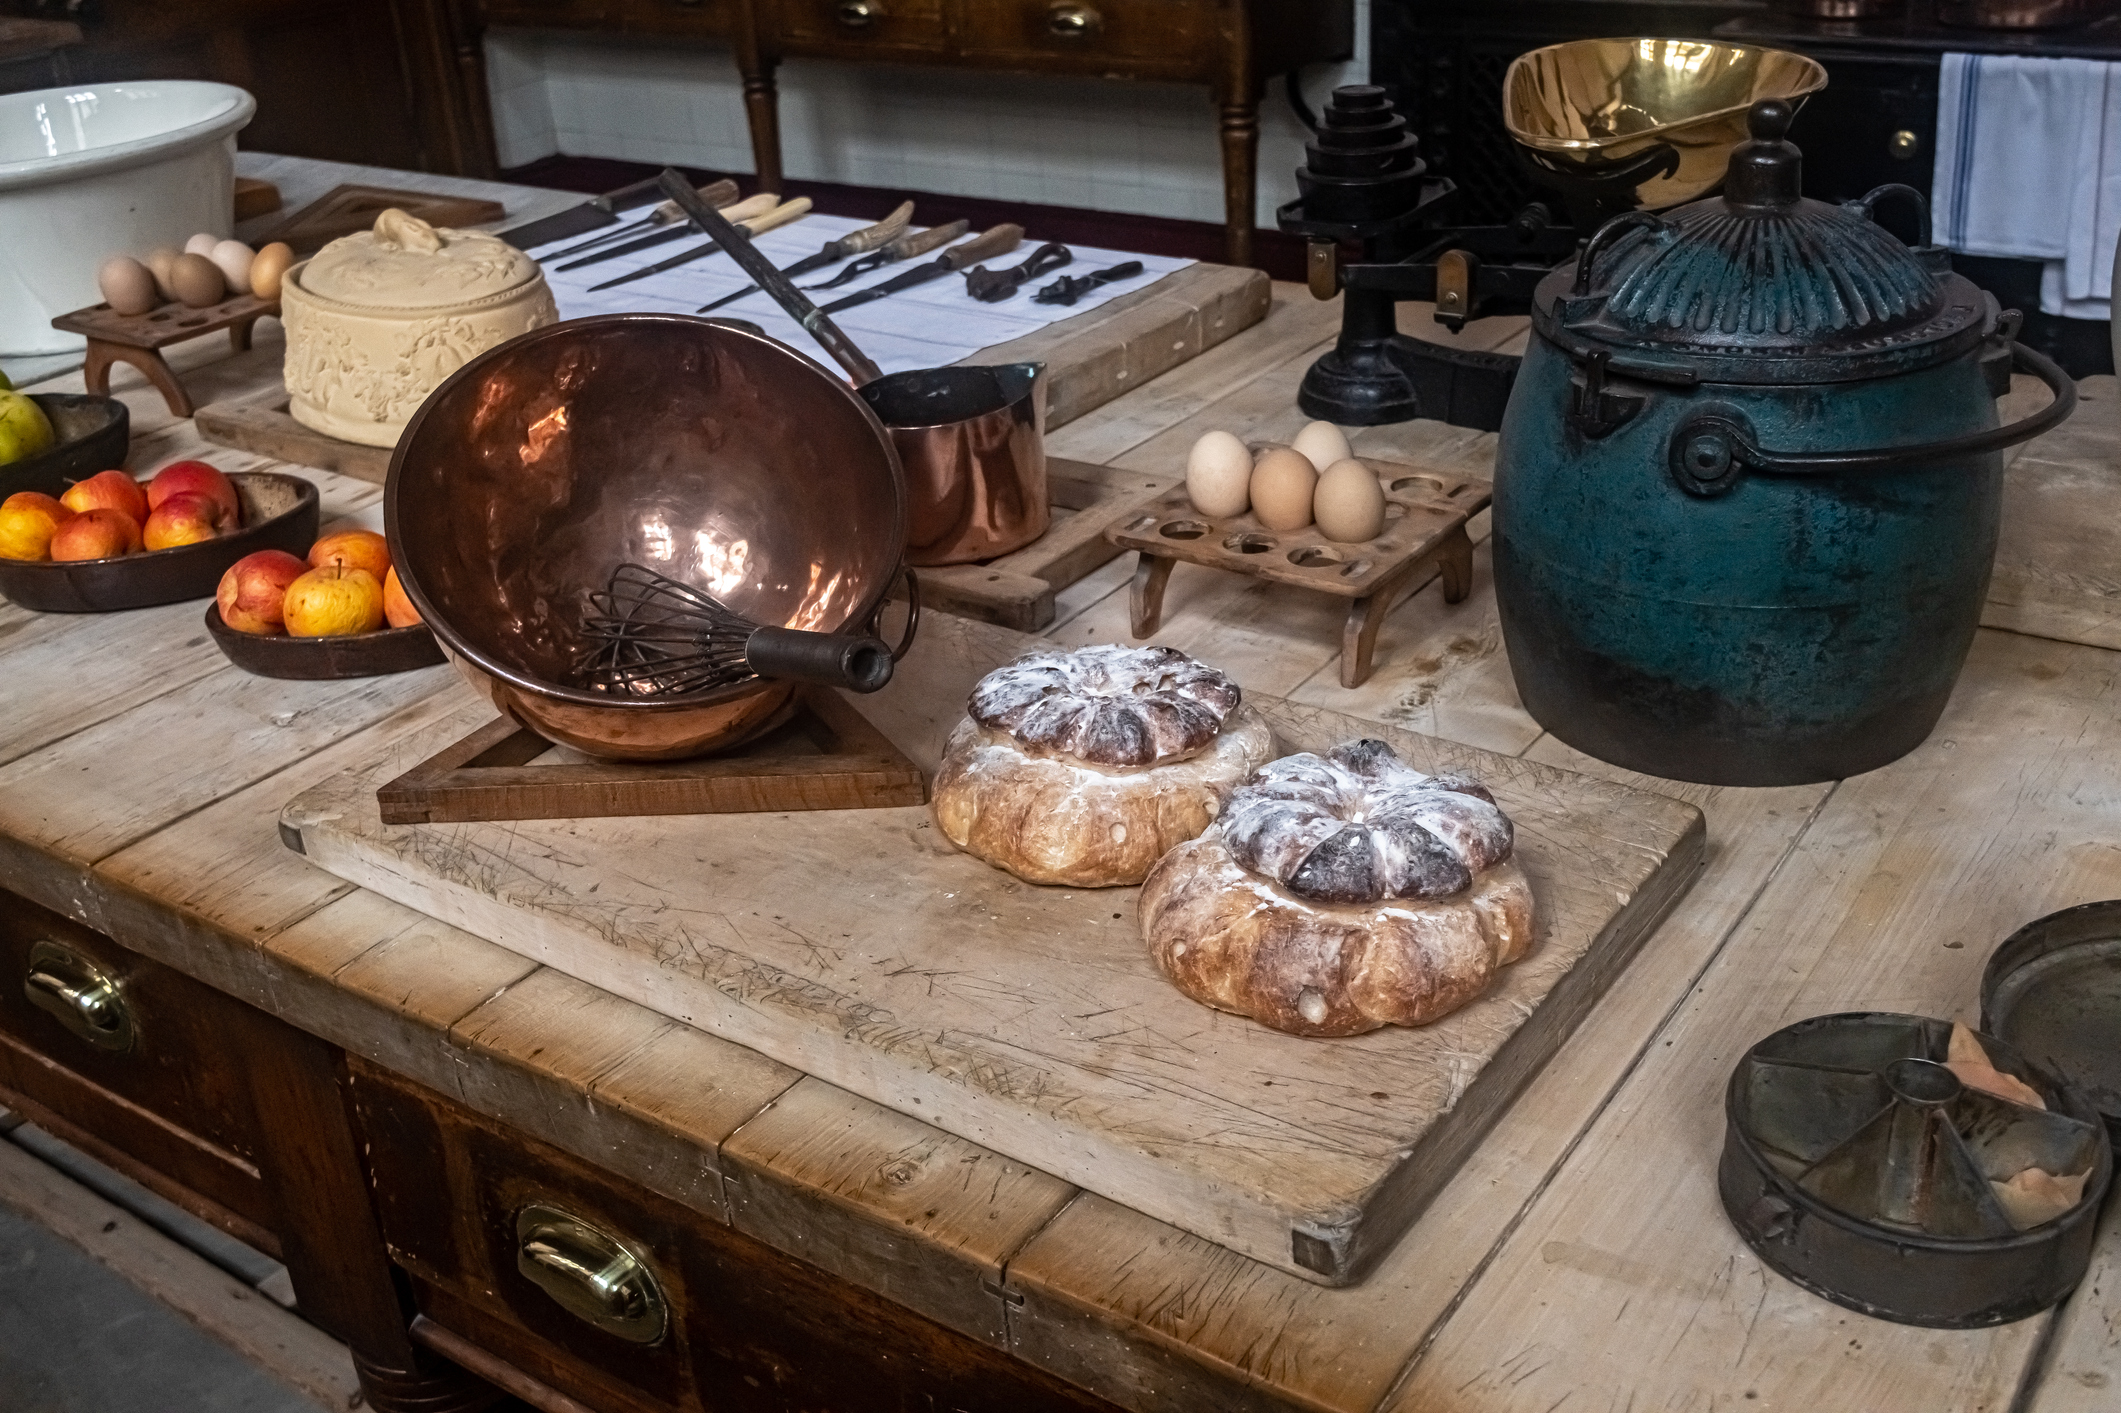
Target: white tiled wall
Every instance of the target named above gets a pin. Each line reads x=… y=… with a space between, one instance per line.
x=1147 y=149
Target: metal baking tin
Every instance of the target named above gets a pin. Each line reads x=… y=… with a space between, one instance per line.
x=2052 y=992
x=1849 y=1149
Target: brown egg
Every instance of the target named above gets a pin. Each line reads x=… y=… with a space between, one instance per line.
x=127 y=285
x=158 y=262
x=1349 y=502
x=268 y=268
x=1282 y=485
x=197 y=281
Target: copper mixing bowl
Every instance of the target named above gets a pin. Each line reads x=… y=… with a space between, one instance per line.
x=719 y=457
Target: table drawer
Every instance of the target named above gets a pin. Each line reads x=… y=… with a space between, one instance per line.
x=563 y=14
x=1168 y=39
x=137 y=1062
x=743 y=1328
x=684 y=19
x=909 y=30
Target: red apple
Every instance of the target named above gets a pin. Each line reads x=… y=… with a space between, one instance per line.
x=184 y=519
x=398 y=611
x=334 y=602
x=253 y=590
x=107 y=490
x=199 y=479
x=28 y=520
x=352 y=549
x=96 y=533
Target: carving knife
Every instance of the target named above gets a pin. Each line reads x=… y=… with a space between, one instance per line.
x=780 y=215
x=988 y=246
x=993 y=286
x=906 y=247
x=855 y=243
x=1069 y=288
x=750 y=206
x=715 y=194
x=591 y=215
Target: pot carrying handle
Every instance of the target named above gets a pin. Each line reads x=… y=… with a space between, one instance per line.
x=1708 y=448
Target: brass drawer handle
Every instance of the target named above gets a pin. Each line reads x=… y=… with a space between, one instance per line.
x=1903 y=145
x=1073 y=22
x=80 y=995
x=594 y=1276
x=857 y=14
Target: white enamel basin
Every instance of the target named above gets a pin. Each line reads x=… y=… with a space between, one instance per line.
x=105 y=169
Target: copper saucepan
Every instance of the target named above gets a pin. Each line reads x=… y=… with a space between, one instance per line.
x=724 y=459
x=972 y=440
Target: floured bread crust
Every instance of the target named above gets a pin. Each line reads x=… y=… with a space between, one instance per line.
x=1107 y=705
x=1051 y=819
x=1342 y=893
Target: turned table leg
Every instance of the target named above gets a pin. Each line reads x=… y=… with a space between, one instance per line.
x=762 y=114
x=1145 y=597
x=1240 y=141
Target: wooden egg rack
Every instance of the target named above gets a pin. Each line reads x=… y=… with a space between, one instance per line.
x=139 y=338
x=1424 y=535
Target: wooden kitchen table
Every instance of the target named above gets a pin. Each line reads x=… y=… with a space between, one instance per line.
x=369 y=1079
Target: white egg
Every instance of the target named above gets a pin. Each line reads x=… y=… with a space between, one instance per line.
x=1219 y=475
x=234 y=258
x=1282 y=485
x=1349 y=503
x=202 y=244
x=1323 y=443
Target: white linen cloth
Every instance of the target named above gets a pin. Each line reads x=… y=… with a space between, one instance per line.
x=924 y=327
x=2028 y=167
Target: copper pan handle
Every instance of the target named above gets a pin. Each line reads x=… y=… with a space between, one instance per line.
x=754 y=263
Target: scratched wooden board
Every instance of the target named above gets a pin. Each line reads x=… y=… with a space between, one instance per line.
x=1030 y=1020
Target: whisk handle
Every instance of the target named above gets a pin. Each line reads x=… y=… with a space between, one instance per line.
x=857 y=662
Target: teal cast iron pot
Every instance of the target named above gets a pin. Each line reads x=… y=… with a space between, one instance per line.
x=1748 y=486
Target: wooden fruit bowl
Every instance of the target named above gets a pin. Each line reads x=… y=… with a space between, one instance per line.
x=93 y=435
x=279 y=512
x=376 y=654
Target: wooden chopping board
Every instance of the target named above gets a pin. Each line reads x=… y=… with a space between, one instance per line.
x=862 y=948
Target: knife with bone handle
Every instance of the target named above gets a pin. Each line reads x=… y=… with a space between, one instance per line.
x=859 y=242
x=750 y=206
x=779 y=216
x=716 y=194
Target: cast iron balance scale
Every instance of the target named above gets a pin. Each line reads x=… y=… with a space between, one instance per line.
x=1609 y=125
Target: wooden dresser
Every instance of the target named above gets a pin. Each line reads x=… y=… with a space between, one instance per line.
x=1230 y=46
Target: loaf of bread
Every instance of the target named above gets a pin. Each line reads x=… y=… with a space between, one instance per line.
x=1083 y=768
x=1340 y=893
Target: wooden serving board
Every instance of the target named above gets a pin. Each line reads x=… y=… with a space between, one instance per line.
x=865 y=950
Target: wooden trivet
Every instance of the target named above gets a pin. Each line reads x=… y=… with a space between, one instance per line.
x=346 y=209
x=139 y=338
x=825 y=757
x=260 y=422
x=1425 y=533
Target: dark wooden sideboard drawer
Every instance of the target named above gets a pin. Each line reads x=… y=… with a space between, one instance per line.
x=861 y=29
x=683 y=19
x=1169 y=39
x=698 y=1317
x=567 y=14
x=136 y=1062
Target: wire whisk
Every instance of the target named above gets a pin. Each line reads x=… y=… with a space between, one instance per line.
x=649 y=635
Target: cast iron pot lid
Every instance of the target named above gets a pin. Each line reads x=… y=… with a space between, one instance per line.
x=1761 y=285
x=1861 y=1167
x=2052 y=992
